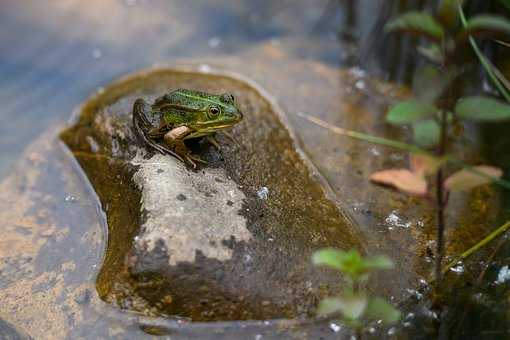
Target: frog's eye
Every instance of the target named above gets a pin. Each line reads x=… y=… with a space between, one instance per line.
x=214 y=111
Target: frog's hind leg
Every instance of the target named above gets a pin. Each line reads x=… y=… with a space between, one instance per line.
x=175 y=140
x=142 y=127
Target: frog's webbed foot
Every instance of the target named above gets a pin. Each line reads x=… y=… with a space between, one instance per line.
x=175 y=140
x=193 y=160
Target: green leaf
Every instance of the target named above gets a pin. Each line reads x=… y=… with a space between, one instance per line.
x=329 y=306
x=428 y=84
x=447 y=12
x=486 y=25
x=432 y=52
x=467 y=179
x=378 y=262
x=351 y=262
x=410 y=111
x=330 y=257
x=352 y=306
x=505 y=3
x=426 y=133
x=418 y=23
x=482 y=109
x=379 y=309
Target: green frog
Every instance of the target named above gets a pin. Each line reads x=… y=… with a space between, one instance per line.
x=184 y=114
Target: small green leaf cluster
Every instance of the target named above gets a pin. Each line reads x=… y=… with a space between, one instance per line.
x=447 y=37
x=354 y=304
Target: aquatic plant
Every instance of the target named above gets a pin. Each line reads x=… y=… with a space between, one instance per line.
x=354 y=304
x=436 y=110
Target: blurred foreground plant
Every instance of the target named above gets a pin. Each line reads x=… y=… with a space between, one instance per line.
x=436 y=111
x=354 y=304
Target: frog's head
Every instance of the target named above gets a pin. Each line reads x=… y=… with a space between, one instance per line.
x=219 y=112
x=200 y=111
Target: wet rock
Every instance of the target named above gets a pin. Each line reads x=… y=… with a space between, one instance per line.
x=209 y=239
x=181 y=226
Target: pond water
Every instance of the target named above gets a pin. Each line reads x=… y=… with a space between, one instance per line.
x=315 y=57
x=55 y=54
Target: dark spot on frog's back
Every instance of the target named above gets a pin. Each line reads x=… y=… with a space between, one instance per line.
x=230 y=203
x=181 y=197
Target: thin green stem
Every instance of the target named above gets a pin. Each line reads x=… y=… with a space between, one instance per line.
x=486 y=240
x=363 y=136
x=484 y=61
x=397 y=145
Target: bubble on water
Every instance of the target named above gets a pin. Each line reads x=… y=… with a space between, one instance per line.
x=334 y=327
x=358 y=72
x=204 y=68
x=360 y=85
x=396 y=221
x=214 y=42
x=409 y=316
x=70 y=198
x=415 y=293
x=258 y=337
x=503 y=275
x=262 y=193
x=96 y=53
x=392 y=331
x=374 y=151
x=94 y=146
x=459 y=268
x=371 y=330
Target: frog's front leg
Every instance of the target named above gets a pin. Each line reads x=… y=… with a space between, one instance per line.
x=175 y=141
x=211 y=139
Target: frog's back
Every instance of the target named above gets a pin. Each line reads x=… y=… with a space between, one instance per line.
x=191 y=99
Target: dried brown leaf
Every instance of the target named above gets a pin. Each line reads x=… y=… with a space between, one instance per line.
x=465 y=179
x=401 y=179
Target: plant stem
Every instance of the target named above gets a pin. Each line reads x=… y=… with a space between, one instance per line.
x=396 y=145
x=440 y=200
x=362 y=136
x=440 y=225
x=493 y=235
x=484 y=61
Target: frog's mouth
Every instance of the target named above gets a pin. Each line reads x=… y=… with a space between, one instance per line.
x=213 y=128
